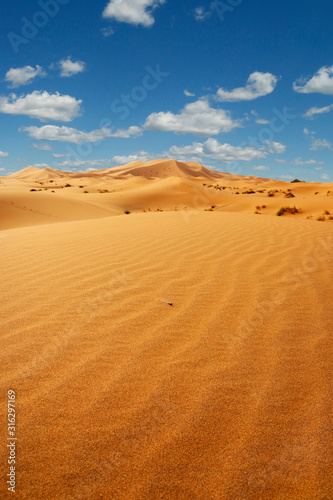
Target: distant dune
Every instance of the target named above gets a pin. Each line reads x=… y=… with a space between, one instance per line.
x=160 y=185
x=225 y=394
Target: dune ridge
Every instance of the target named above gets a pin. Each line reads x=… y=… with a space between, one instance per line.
x=36 y=196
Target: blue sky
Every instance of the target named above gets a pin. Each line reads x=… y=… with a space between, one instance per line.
x=238 y=86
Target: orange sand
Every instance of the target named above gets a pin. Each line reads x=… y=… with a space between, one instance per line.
x=225 y=395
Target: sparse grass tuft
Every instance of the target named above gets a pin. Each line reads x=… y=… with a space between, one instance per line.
x=288 y=210
x=289 y=195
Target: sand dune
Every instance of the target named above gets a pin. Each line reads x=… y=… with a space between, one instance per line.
x=226 y=394
x=37 y=196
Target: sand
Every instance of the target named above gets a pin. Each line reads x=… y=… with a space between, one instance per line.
x=226 y=394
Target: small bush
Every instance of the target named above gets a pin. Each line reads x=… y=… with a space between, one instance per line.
x=33 y=189
x=289 y=195
x=86 y=191
x=127 y=212
x=321 y=218
x=327 y=212
x=68 y=186
x=288 y=210
x=296 y=180
x=263 y=206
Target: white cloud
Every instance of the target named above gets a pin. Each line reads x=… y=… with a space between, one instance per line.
x=59 y=155
x=321 y=82
x=286 y=177
x=258 y=85
x=42 y=105
x=214 y=150
x=23 y=76
x=188 y=94
x=299 y=161
x=275 y=147
x=262 y=168
x=40 y=165
x=3 y=154
x=306 y=131
x=261 y=121
x=201 y=14
x=2 y=169
x=42 y=147
x=132 y=11
x=106 y=32
x=319 y=144
x=319 y=168
x=325 y=177
x=70 y=68
x=138 y=156
x=67 y=134
x=317 y=111
x=280 y=161
x=196 y=118
x=198 y=152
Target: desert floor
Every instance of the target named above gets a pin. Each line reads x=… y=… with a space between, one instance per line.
x=226 y=394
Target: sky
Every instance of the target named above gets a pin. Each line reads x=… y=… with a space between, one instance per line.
x=239 y=86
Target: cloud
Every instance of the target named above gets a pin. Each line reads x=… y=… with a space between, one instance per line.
x=42 y=147
x=317 y=111
x=319 y=144
x=262 y=168
x=280 y=161
x=2 y=169
x=42 y=105
x=188 y=94
x=60 y=155
x=138 y=156
x=321 y=82
x=201 y=14
x=40 y=165
x=197 y=151
x=106 y=32
x=196 y=118
x=132 y=11
x=261 y=121
x=67 y=134
x=214 y=150
x=275 y=147
x=299 y=161
x=258 y=85
x=70 y=68
x=306 y=131
x=286 y=177
x=319 y=168
x=23 y=76
x=325 y=177
x=3 y=154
